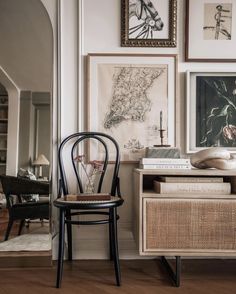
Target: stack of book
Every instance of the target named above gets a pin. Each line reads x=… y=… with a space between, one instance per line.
x=194 y=185
x=165 y=163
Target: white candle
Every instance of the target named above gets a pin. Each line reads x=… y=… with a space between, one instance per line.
x=161 y=120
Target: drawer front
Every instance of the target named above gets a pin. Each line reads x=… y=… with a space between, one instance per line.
x=189 y=224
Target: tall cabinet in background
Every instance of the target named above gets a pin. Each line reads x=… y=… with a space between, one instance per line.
x=3 y=129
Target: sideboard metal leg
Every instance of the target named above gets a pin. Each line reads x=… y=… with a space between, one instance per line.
x=175 y=276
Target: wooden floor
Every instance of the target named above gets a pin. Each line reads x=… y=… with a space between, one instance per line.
x=139 y=276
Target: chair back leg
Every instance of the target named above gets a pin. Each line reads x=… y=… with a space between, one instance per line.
x=9 y=226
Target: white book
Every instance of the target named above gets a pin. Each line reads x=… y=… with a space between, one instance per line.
x=165 y=161
x=165 y=166
x=194 y=188
x=191 y=179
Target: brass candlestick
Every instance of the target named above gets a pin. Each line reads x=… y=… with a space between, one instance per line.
x=162 y=139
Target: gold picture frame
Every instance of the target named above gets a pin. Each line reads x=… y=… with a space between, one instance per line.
x=148 y=23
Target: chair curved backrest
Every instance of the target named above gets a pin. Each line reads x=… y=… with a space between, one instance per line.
x=73 y=143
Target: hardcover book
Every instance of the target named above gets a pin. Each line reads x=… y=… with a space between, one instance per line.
x=164 y=160
x=88 y=197
x=165 y=166
x=194 y=188
x=190 y=179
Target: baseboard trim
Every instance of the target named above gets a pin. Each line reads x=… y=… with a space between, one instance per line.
x=25 y=259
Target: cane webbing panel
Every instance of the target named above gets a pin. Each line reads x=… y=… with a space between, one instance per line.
x=189 y=224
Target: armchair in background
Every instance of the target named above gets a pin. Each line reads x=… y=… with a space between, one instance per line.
x=14 y=188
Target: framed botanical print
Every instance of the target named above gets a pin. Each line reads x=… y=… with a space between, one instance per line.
x=211 y=110
x=210 y=30
x=131 y=97
x=148 y=23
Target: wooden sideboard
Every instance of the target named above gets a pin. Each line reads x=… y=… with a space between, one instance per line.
x=184 y=224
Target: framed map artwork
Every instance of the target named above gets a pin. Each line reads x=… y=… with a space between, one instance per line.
x=131 y=97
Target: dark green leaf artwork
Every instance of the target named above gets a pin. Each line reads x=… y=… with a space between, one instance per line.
x=216 y=111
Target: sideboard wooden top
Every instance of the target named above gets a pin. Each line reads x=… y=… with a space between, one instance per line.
x=187 y=172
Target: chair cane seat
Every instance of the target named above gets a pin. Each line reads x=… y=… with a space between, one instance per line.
x=63 y=202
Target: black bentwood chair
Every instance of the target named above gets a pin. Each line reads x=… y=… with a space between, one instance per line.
x=69 y=207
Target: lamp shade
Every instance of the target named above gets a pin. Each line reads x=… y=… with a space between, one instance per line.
x=41 y=160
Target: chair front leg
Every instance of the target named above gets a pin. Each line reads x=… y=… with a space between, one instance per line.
x=115 y=250
x=60 y=247
x=69 y=235
x=9 y=226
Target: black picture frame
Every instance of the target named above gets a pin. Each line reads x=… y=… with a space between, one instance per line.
x=211 y=110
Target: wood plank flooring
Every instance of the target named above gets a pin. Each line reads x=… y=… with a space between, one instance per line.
x=138 y=276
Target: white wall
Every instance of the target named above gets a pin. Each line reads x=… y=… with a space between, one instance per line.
x=13 y=121
x=26 y=57
x=94 y=27
x=101 y=34
x=26 y=36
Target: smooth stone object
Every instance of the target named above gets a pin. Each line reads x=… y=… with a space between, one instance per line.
x=214 y=157
x=221 y=163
